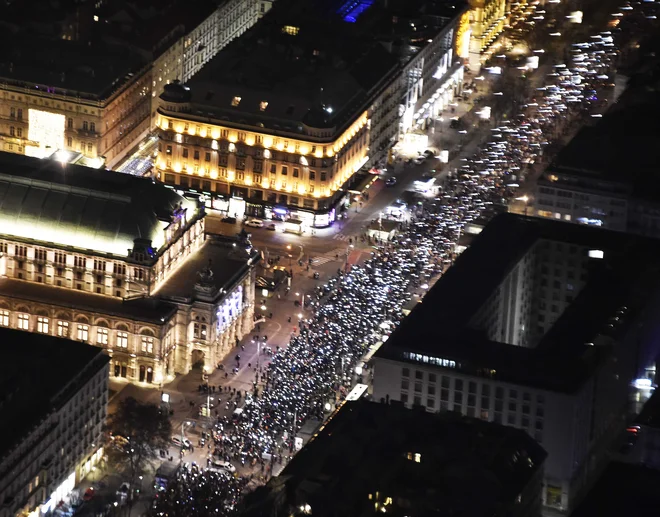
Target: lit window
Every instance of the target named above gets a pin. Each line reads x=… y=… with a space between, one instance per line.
x=83 y=332
x=42 y=325
x=102 y=336
x=597 y=254
x=147 y=344
x=4 y=318
x=235 y=101
x=290 y=30
x=23 y=321
x=263 y=105
x=63 y=328
x=122 y=339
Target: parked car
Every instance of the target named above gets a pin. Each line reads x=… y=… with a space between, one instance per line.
x=390 y=182
x=176 y=440
x=254 y=223
x=224 y=465
x=272 y=227
x=229 y=220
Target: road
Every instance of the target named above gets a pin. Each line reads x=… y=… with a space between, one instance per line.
x=327 y=248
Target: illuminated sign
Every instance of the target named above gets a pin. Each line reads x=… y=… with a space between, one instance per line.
x=47 y=129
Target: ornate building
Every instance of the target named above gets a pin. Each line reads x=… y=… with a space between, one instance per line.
x=112 y=260
x=278 y=123
x=84 y=84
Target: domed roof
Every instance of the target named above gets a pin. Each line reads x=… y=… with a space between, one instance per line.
x=176 y=92
x=84 y=208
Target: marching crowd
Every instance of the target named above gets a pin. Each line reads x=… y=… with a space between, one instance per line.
x=359 y=307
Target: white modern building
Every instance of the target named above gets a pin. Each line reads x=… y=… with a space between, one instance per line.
x=52 y=419
x=539 y=325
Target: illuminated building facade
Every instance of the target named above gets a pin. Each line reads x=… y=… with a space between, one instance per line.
x=52 y=420
x=276 y=138
x=89 y=88
x=257 y=144
x=93 y=255
x=539 y=325
x=487 y=20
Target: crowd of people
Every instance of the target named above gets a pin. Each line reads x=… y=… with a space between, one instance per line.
x=359 y=307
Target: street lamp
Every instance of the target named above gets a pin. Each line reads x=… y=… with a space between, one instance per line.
x=524 y=199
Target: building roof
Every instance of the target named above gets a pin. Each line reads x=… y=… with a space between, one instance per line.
x=367 y=449
x=53 y=364
x=91 y=71
x=225 y=259
x=88 y=209
x=619 y=150
x=562 y=360
x=622 y=489
x=152 y=25
x=304 y=64
x=151 y=310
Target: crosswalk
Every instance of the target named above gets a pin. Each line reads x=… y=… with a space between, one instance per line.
x=340 y=237
x=328 y=256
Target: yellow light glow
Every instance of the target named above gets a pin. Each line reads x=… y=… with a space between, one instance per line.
x=47 y=129
x=248 y=181
x=330 y=152
x=231 y=175
x=189 y=168
x=268 y=141
x=177 y=167
x=280 y=146
x=178 y=127
x=214 y=174
x=301 y=190
x=203 y=133
x=215 y=133
x=304 y=149
x=233 y=137
x=318 y=154
x=264 y=183
x=191 y=130
x=289 y=188
x=250 y=140
x=202 y=171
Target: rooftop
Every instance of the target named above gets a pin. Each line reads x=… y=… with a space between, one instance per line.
x=227 y=263
x=151 y=25
x=619 y=148
x=141 y=309
x=620 y=489
x=92 y=71
x=300 y=65
x=83 y=208
x=307 y=64
x=53 y=363
x=428 y=464
x=562 y=360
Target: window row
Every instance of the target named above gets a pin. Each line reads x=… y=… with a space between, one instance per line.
x=78 y=331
